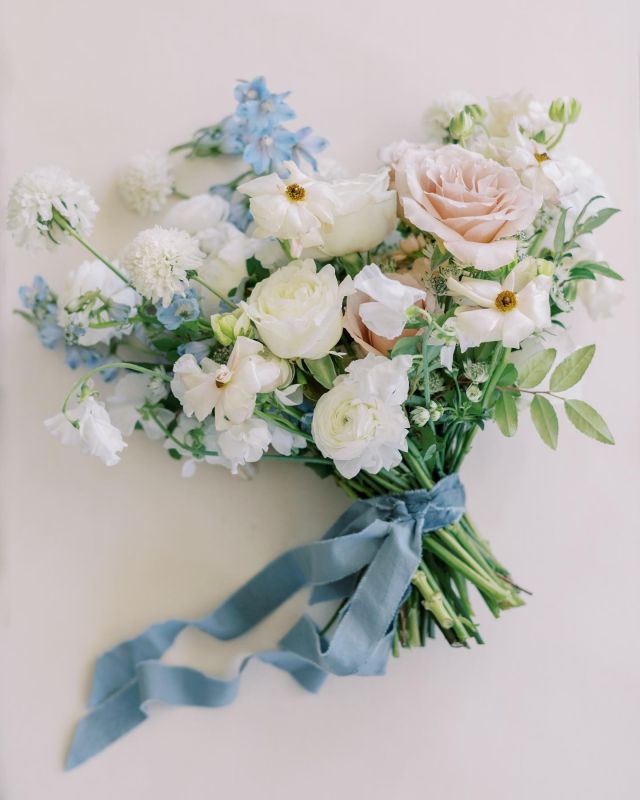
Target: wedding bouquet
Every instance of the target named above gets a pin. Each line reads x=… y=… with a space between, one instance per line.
x=366 y=327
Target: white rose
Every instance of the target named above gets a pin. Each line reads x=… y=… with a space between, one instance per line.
x=360 y=423
x=298 y=311
x=365 y=216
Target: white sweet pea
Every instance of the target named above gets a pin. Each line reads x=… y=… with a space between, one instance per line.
x=360 y=423
x=386 y=313
x=364 y=217
x=131 y=392
x=293 y=209
x=298 y=311
x=507 y=312
x=95 y=434
x=225 y=266
x=229 y=388
x=207 y=435
x=244 y=443
x=284 y=441
x=75 y=306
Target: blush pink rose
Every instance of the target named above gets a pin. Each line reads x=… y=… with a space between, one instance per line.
x=468 y=201
x=371 y=342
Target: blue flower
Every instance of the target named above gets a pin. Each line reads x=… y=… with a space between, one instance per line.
x=181 y=309
x=251 y=90
x=267 y=152
x=50 y=334
x=265 y=113
x=307 y=145
x=35 y=294
x=197 y=349
x=232 y=136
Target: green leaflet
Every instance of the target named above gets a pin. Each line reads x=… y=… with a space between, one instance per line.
x=506 y=414
x=323 y=370
x=545 y=419
x=587 y=420
x=534 y=369
x=569 y=371
x=601 y=267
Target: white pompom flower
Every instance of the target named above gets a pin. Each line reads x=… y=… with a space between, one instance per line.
x=360 y=422
x=43 y=201
x=158 y=261
x=146 y=182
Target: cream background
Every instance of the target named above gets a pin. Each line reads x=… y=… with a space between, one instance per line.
x=550 y=707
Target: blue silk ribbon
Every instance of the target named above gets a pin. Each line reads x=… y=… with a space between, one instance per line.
x=368 y=556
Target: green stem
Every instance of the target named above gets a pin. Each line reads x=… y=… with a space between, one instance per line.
x=218 y=294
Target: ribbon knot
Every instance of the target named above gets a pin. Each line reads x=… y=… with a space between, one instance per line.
x=368 y=556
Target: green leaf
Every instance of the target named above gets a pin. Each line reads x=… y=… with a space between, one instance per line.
x=569 y=371
x=591 y=223
x=545 y=419
x=581 y=274
x=587 y=420
x=323 y=370
x=601 y=267
x=406 y=345
x=509 y=375
x=534 y=369
x=558 y=240
x=506 y=414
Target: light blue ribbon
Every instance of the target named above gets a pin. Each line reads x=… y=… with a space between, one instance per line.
x=368 y=556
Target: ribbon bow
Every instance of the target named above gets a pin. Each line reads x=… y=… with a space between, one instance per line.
x=369 y=556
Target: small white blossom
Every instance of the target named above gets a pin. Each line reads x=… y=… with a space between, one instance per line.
x=245 y=443
x=131 y=392
x=438 y=115
x=386 y=313
x=34 y=199
x=158 y=260
x=146 y=182
x=95 y=434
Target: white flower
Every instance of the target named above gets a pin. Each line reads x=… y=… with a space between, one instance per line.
x=131 y=392
x=208 y=437
x=438 y=115
x=197 y=214
x=298 y=311
x=229 y=388
x=600 y=296
x=146 y=182
x=293 y=209
x=34 y=199
x=87 y=288
x=244 y=443
x=507 y=312
x=95 y=433
x=364 y=217
x=360 y=423
x=519 y=109
x=386 y=314
x=158 y=260
x=284 y=441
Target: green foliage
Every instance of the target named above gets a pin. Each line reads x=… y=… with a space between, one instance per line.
x=587 y=420
x=535 y=368
x=545 y=420
x=323 y=370
x=571 y=369
x=506 y=413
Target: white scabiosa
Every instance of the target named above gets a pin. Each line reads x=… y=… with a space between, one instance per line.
x=146 y=182
x=43 y=198
x=360 y=422
x=298 y=311
x=158 y=261
x=95 y=433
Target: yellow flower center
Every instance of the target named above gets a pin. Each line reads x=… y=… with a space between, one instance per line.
x=295 y=192
x=506 y=301
x=541 y=157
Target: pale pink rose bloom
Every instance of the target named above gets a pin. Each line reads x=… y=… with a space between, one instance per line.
x=371 y=342
x=468 y=201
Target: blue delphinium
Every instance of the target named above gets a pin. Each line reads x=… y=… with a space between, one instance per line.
x=183 y=308
x=307 y=146
x=197 y=349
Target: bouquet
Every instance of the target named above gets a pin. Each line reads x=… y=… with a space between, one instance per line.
x=366 y=327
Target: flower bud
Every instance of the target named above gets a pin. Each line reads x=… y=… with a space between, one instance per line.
x=461 y=126
x=227 y=327
x=474 y=392
x=420 y=416
x=435 y=411
x=565 y=110
x=476 y=112
x=476 y=371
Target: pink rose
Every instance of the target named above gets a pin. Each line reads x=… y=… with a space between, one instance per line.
x=371 y=342
x=468 y=201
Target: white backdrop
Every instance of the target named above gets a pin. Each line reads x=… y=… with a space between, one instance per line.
x=549 y=707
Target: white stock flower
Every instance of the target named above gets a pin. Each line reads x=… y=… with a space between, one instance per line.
x=386 y=313
x=95 y=434
x=298 y=311
x=229 y=388
x=157 y=261
x=146 y=182
x=507 y=312
x=37 y=195
x=360 y=423
x=94 y=276
x=438 y=115
x=131 y=392
x=293 y=209
x=365 y=215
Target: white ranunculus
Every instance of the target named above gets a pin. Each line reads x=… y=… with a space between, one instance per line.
x=95 y=434
x=293 y=209
x=298 y=311
x=386 y=313
x=507 y=312
x=360 y=423
x=94 y=276
x=365 y=216
x=131 y=392
x=198 y=213
x=229 y=388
